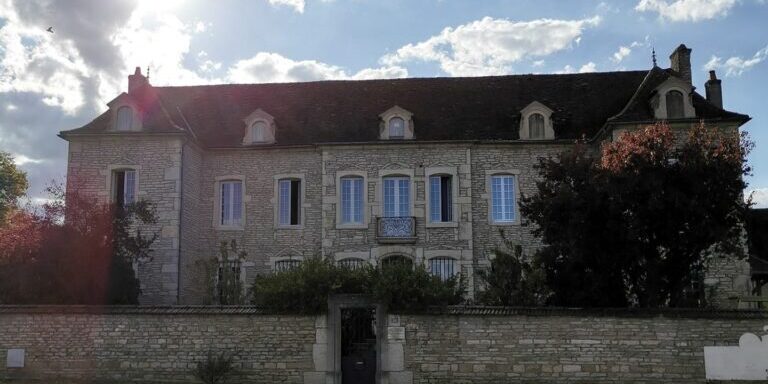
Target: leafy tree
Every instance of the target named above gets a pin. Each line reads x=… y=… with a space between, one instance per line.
x=13 y=184
x=512 y=280
x=229 y=289
x=633 y=225
x=81 y=252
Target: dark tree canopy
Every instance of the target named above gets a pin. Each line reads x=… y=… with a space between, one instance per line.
x=631 y=226
x=13 y=184
x=79 y=253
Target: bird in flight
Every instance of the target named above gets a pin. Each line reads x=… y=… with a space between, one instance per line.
x=50 y=29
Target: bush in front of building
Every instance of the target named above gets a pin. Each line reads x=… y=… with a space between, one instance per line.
x=401 y=287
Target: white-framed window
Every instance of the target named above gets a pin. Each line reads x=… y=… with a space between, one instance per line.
x=231 y=203
x=351 y=263
x=396 y=128
x=289 y=202
x=443 y=267
x=352 y=200
x=503 y=204
x=124 y=187
x=440 y=198
x=286 y=265
x=258 y=132
x=397 y=200
x=536 y=126
x=124 y=121
x=675 y=104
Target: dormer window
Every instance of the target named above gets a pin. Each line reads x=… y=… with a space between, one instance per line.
x=259 y=128
x=124 y=121
x=675 y=104
x=397 y=124
x=396 y=128
x=672 y=100
x=536 y=126
x=536 y=122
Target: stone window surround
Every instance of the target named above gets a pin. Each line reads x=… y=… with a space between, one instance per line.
x=259 y=116
x=489 y=199
x=659 y=99
x=393 y=112
x=276 y=200
x=533 y=108
x=395 y=173
x=217 y=203
x=442 y=171
x=366 y=210
x=110 y=182
x=293 y=255
x=124 y=102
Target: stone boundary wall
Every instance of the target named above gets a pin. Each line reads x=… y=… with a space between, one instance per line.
x=152 y=344
x=507 y=345
x=76 y=344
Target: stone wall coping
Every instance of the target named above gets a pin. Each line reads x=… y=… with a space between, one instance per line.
x=446 y=311
x=694 y=313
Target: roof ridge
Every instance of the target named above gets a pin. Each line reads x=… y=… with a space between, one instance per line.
x=401 y=79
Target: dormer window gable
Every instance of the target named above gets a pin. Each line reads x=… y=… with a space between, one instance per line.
x=125 y=114
x=396 y=124
x=536 y=122
x=259 y=128
x=672 y=100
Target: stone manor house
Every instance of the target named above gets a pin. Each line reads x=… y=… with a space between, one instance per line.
x=426 y=169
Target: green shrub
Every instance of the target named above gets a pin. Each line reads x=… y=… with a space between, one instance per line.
x=306 y=288
x=215 y=369
x=402 y=287
x=512 y=279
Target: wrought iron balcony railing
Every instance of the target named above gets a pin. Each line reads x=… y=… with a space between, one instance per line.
x=396 y=229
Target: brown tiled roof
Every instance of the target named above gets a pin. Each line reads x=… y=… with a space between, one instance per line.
x=468 y=108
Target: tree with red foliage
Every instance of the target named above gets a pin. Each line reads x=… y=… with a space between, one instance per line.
x=81 y=252
x=632 y=226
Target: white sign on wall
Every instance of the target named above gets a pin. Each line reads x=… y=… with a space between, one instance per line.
x=748 y=361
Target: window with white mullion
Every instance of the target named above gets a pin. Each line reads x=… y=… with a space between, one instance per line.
x=289 y=202
x=503 y=198
x=231 y=203
x=352 y=200
x=440 y=199
x=397 y=201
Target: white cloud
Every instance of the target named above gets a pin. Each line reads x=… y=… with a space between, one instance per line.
x=297 y=5
x=273 y=67
x=619 y=55
x=586 y=68
x=686 y=10
x=490 y=46
x=759 y=197
x=735 y=66
x=21 y=160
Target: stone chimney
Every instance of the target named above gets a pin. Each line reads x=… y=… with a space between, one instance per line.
x=714 y=90
x=137 y=80
x=680 y=61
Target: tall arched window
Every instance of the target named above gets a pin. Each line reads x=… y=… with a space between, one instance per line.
x=536 y=126
x=396 y=128
x=124 y=119
x=675 y=105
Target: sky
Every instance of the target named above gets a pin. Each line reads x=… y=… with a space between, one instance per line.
x=57 y=81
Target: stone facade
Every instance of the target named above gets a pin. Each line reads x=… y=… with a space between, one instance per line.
x=464 y=345
x=158 y=165
x=181 y=179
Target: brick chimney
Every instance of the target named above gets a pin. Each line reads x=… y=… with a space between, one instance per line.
x=137 y=80
x=680 y=61
x=714 y=90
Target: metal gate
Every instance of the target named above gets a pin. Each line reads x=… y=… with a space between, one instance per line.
x=358 y=345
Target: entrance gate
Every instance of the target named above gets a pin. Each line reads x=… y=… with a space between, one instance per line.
x=358 y=345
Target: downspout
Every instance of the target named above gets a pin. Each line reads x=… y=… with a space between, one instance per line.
x=181 y=209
